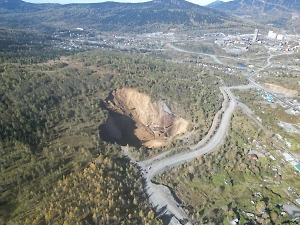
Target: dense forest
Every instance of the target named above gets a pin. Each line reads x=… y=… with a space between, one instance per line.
x=144 y=17
x=26 y=47
x=55 y=169
x=55 y=165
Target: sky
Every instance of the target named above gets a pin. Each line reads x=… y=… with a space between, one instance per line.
x=199 y=2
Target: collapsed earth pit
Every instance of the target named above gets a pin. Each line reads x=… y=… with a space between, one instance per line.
x=135 y=120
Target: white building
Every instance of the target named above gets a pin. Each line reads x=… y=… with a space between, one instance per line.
x=288 y=156
x=280 y=37
x=272 y=35
x=255 y=35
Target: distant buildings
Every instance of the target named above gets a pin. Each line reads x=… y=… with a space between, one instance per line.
x=220 y=41
x=234 y=221
x=253 y=156
x=255 y=36
x=290 y=158
x=273 y=35
x=280 y=37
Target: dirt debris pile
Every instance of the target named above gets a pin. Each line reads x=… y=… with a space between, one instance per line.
x=280 y=89
x=135 y=120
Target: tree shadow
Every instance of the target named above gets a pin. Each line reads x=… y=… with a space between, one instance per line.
x=295 y=214
x=166 y=218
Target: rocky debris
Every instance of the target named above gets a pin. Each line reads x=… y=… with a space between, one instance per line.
x=135 y=120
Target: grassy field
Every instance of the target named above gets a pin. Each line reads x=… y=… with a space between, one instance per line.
x=282 y=77
x=271 y=116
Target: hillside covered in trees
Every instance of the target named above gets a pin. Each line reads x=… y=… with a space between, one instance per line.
x=279 y=13
x=54 y=167
x=150 y=16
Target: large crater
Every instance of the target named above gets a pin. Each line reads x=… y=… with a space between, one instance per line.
x=135 y=120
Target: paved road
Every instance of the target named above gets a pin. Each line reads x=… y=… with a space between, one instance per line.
x=215 y=122
x=245 y=108
x=214 y=57
x=160 y=196
x=272 y=93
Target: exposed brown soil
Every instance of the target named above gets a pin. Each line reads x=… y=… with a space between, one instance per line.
x=135 y=120
x=280 y=89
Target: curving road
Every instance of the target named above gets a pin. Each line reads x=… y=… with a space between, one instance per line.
x=159 y=195
x=214 y=57
x=156 y=196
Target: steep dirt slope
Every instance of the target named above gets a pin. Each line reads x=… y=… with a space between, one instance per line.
x=280 y=89
x=135 y=120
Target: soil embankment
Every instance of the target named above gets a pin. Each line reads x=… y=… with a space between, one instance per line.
x=280 y=89
x=135 y=120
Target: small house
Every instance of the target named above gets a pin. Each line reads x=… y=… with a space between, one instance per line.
x=253 y=156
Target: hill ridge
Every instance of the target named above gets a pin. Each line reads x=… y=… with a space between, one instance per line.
x=158 y=15
x=280 y=13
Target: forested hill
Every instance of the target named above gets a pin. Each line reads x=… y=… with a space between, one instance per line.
x=158 y=15
x=265 y=6
x=280 y=13
x=19 y=6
